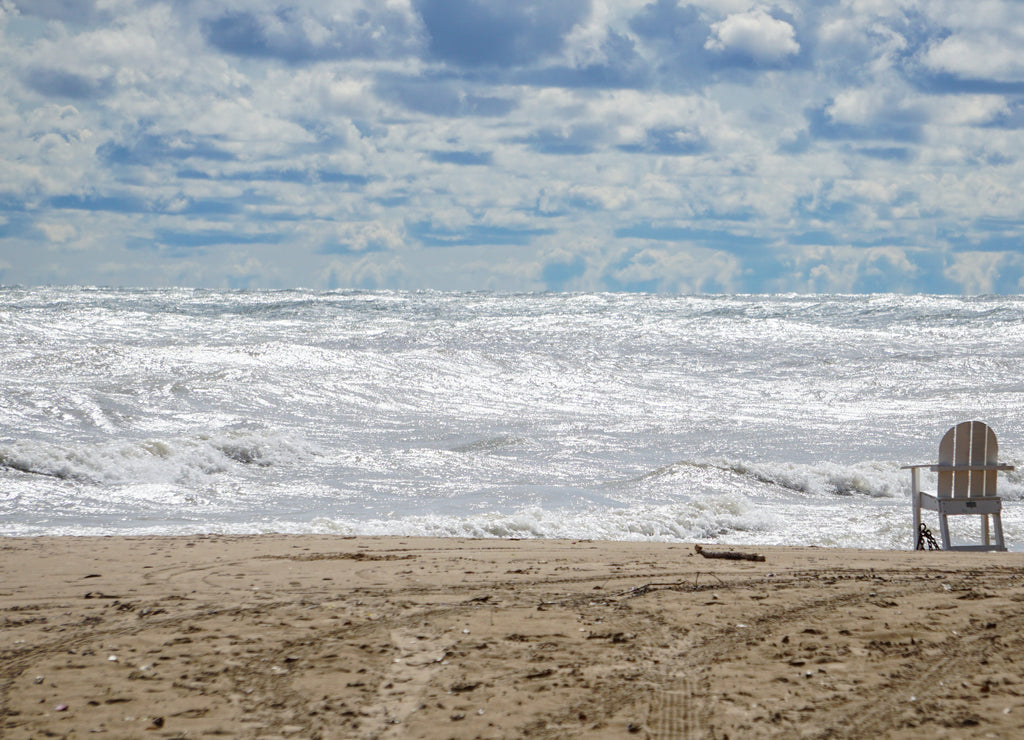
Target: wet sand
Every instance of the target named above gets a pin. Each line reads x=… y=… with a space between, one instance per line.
x=326 y=637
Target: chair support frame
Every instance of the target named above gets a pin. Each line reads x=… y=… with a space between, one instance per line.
x=966 y=471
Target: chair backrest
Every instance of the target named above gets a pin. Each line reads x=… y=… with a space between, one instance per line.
x=968 y=443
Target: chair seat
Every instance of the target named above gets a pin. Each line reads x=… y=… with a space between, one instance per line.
x=977 y=505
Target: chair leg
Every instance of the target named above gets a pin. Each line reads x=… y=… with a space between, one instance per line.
x=984 y=530
x=917 y=522
x=944 y=529
x=997 y=522
x=915 y=503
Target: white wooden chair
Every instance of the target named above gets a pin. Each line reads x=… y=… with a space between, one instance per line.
x=967 y=468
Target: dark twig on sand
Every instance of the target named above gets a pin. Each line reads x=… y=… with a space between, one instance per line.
x=628 y=593
x=729 y=554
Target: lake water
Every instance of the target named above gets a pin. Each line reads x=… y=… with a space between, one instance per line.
x=776 y=419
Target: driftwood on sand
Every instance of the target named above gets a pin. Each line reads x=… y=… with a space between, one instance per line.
x=729 y=554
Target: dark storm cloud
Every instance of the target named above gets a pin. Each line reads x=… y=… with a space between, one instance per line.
x=147 y=149
x=475 y=235
x=622 y=68
x=669 y=141
x=894 y=125
x=210 y=238
x=59 y=83
x=109 y=203
x=78 y=12
x=678 y=33
x=722 y=240
x=285 y=34
x=948 y=84
x=441 y=97
x=463 y=158
x=579 y=139
x=473 y=33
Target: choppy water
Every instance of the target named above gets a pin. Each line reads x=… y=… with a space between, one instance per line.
x=749 y=419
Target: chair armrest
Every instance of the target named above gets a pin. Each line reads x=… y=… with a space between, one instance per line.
x=958 y=468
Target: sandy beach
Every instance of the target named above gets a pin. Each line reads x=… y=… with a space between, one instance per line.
x=330 y=637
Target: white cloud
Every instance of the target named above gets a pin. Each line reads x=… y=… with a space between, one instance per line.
x=966 y=110
x=679 y=269
x=244 y=271
x=7 y=11
x=370 y=272
x=979 y=272
x=563 y=196
x=847 y=269
x=756 y=34
x=884 y=104
x=857 y=107
x=982 y=15
x=368 y=236
x=138 y=122
x=978 y=56
x=880 y=8
x=59 y=232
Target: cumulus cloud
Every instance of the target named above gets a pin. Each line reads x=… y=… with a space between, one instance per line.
x=513 y=144
x=660 y=269
x=59 y=233
x=669 y=140
x=363 y=238
x=68 y=11
x=978 y=273
x=367 y=273
x=498 y=32
x=562 y=268
x=303 y=34
x=562 y=198
x=59 y=83
x=847 y=269
x=442 y=97
x=978 y=56
x=880 y=112
x=754 y=34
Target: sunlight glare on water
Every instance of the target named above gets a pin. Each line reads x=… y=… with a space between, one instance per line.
x=765 y=419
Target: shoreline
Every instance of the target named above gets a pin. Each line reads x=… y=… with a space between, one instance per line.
x=322 y=636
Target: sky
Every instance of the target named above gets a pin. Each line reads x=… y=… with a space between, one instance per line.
x=514 y=145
